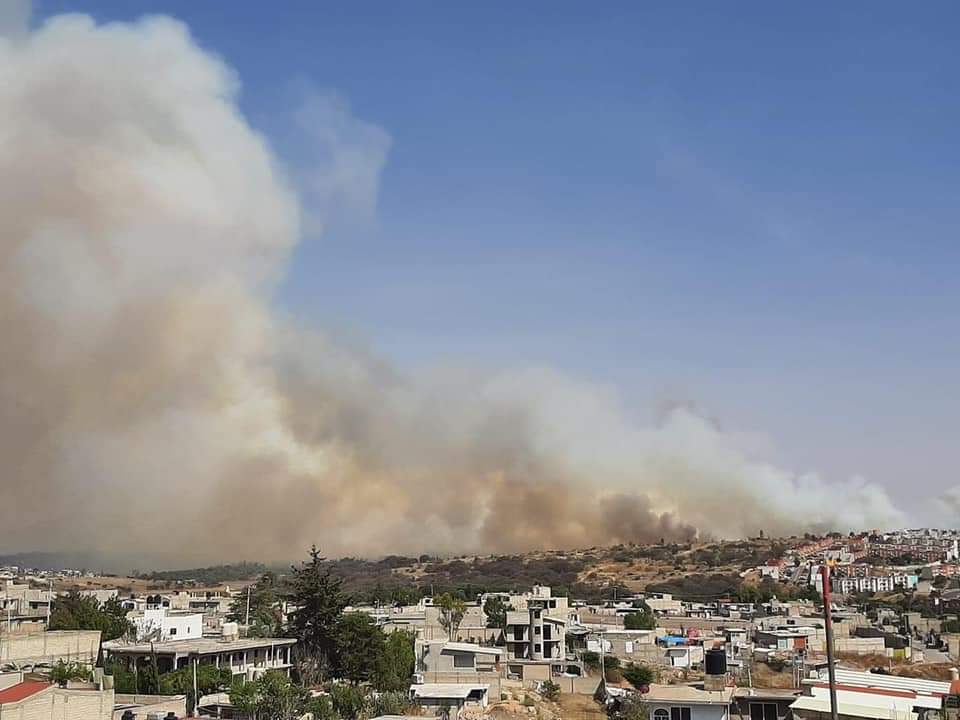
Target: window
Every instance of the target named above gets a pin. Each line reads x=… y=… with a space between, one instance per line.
x=763 y=711
x=173 y=631
x=661 y=714
x=536 y=630
x=536 y=648
x=462 y=660
x=679 y=713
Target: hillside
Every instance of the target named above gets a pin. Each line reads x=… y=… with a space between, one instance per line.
x=698 y=570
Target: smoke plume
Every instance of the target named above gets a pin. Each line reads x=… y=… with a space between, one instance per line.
x=151 y=401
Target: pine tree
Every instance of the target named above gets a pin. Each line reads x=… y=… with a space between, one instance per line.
x=319 y=600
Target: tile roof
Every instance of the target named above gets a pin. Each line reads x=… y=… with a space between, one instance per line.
x=21 y=691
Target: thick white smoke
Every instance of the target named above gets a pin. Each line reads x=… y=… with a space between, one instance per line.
x=151 y=401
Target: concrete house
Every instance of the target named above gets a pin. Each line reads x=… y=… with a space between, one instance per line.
x=683 y=702
x=441 y=660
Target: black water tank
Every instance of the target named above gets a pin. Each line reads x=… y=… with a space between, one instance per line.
x=715 y=662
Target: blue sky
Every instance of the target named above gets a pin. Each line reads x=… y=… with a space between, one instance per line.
x=749 y=207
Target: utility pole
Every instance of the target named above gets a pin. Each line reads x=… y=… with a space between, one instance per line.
x=49 y=601
x=828 y=626
x=196 y=697
x=246 y=620
x=603 y=672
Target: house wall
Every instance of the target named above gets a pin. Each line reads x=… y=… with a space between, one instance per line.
x=61 y=704
x=177 y=704
x=77 y=645
x=172 y=627
x=697 y=712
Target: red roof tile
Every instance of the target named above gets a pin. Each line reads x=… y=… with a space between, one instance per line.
x=21 y=691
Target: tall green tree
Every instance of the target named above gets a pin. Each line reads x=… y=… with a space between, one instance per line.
x=264 y=612
x=319 y=600
x=270 y=697
x=77 y=612
x=397 y=664
x=495 y=609
x=360 y=647
x=452 y=611
x=210 y=679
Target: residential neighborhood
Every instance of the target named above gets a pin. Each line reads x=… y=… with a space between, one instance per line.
x=200 y=651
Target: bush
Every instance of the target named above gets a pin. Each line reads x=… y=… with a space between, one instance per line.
x=321 y=708
x=613 y=675
x=643 y=620
x=639 y=675
x=550 y=691
x=630 y=709
x=63 y=672
x=528 y=701
x=389 y=703
x=591 y=661
x=349 y=701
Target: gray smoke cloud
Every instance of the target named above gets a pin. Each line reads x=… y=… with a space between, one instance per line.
x=152 y=402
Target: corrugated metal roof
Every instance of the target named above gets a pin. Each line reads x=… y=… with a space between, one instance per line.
x=822 y=705
x=891 y=682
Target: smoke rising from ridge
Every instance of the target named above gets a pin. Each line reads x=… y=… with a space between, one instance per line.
x=151 y=400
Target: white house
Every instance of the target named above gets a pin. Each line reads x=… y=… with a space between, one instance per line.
x=683 y=702
x=450 y=695
x=159 y=624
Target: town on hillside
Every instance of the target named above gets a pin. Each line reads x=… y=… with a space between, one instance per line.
x=726 y=630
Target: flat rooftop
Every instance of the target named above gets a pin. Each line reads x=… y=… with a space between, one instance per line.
x=198 y=646
x=686 y=694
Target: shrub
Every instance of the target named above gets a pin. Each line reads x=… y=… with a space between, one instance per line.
x=639 y=675
x=389 y=703
x=349 y=701
x=591 y=660
x=63 y=672
x=550 y=691
x=613 y=675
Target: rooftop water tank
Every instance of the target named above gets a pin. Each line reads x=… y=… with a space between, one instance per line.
x=715 y=661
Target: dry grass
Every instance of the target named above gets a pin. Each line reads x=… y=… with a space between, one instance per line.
x=766 y=677
x=580 y=707
x=904 y=668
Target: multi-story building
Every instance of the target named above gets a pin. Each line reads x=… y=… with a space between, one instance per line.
x=874 y=583
x=20 y=603
x=535 y=635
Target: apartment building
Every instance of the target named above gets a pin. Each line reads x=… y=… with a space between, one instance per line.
x=874 y=583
